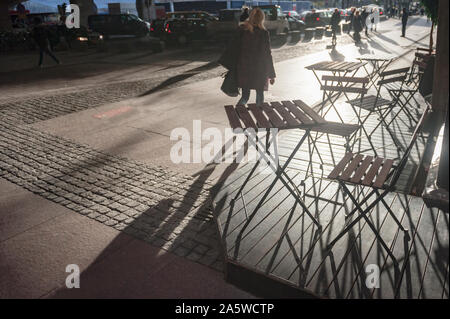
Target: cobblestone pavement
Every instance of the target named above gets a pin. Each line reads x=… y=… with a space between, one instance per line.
x=164 y=208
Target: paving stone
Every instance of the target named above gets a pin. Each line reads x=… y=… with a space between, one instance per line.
x=109 y=189
x=181 y=251
x=193 y=256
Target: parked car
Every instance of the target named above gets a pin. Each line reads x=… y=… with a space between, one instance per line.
x=275 y=22
x=191 y=15
x=118 y=25
x=316 y=18
x=295 y=24
x=292 y=13
x=84 y=35
x=225 y=25
x=157 y=28
x=183 y=31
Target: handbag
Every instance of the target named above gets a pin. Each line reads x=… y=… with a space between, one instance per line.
x=229 y=84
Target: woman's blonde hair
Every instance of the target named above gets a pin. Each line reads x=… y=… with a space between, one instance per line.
x=255 y=19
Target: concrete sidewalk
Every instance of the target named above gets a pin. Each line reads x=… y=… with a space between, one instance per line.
x=142 y=131
x=39 y=238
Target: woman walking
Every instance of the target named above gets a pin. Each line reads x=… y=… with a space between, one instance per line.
x=357 y=27
x=254 y=61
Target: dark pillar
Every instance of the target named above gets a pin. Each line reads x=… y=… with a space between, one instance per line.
x=5 y=20
x=442 y=180
x=440 y=87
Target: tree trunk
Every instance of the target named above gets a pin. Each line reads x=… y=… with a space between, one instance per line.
x=431 y=37
x=440 y=87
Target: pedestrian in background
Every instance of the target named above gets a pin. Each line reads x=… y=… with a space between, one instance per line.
x=40 y=36
x=364 y=15
x=373 y=26
x=404 y=21
x=244 y=16
x=254 y=64
x=335 y=20
x=357 y=26
x=352 y=14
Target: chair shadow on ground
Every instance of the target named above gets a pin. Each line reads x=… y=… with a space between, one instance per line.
x=128 y=267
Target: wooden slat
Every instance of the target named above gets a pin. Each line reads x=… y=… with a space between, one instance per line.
x=245 y=116
x=375 y=59
x=232 y=117
x=299 y=114
x=361 y=170
x=394 y=79
x=346 y=67
x=310 y=112
x=343 y=89
x=273 y=117
x=368 y=102
x=259 y=116
x=381 y=178
x=340 y=166
x=340 y=64
x=345 y=79
x=373 y=170
x=330 y=66
x=281 y=109
x=356 y=66
x=345 y=176
x=396 y=71
x=339 y=129
x=317 y=66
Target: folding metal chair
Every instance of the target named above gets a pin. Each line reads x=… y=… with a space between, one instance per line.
x=419 y=64
x=373 y=104
x=402 y=92
x=374 y=172
x=342 y=85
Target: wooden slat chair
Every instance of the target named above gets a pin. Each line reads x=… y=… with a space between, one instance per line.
x=421 y=58
x=342 y=85
x=375 y=104
x=401 y=92
x=378 y=173
x=281 y=116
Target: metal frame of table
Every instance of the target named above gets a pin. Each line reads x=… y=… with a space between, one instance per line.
x=378 y=66
x=337 y=68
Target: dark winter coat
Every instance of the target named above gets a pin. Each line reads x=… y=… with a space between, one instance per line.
x=254 y=63
x=364 y=16
x=404 y=18
x=40 y=35
x=335 y=20
x=357 y=23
